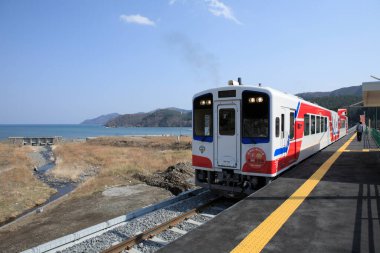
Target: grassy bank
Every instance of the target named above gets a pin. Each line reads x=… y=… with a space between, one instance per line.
x=19 y=189
x=96 y=164
x=113 y=161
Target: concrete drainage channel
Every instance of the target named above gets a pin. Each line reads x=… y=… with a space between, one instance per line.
x=107 y=234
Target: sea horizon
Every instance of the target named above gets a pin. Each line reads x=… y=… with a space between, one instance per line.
x=82 y=131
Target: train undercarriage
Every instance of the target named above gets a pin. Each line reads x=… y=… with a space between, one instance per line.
x=227 y=181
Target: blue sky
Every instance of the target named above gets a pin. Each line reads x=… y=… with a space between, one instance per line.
x=63 y=61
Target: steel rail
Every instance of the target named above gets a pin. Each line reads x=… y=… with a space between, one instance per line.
x=129 y=243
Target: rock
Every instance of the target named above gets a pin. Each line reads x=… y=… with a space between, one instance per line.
x=174 y=178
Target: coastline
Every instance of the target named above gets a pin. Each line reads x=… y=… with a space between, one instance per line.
x=79 y=131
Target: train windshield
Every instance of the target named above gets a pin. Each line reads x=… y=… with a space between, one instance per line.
x=202 y=117
x=255 y=116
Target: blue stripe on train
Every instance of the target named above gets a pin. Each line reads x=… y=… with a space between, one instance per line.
x=297 y=111
x=248 y=140
x=282 y=150
x=203 y=138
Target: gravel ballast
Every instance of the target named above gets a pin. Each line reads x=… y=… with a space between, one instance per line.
x=140 y=224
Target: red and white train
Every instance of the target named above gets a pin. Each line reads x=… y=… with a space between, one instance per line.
x=244 y=136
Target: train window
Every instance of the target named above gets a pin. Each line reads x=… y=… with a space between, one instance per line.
x=326 y=124
x=227 y=121
x=306 y=130
x=255 y=116
x=291 y=126
x=312 y=126
x=318 y=124
x=277 y=126
x=282 y=125
x=322 y=125
x=202 y=117
x=343 y=124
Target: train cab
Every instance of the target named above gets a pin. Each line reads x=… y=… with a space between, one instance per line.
x=231 y=136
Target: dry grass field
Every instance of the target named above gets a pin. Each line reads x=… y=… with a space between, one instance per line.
x=115 y=160
x=19 y=189
x=98 y=164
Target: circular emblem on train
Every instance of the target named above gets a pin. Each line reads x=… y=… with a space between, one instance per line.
x=202 y=149
x=255 y=157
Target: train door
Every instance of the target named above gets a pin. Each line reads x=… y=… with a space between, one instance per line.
x=284 y=138
x=292 y=137
x=228 y=132
x=287 y=137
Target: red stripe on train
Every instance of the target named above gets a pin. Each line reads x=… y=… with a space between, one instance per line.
x=271 y=167
x=201 y=161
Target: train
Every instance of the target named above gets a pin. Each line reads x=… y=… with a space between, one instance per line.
x=245 y=136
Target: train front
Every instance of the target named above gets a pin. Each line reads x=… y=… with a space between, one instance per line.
x=231 y=144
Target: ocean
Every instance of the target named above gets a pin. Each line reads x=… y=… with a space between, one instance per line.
x=84 y=131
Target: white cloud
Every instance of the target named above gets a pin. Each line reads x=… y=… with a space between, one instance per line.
x=215 y=7
x=137 y=19
x=218 y=8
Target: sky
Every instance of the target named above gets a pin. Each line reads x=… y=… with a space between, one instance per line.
x=64 y=61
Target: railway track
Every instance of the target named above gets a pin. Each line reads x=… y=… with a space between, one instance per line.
x=153 y=234
x=145 y=230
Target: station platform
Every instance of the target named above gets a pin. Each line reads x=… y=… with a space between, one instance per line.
x=327 y=203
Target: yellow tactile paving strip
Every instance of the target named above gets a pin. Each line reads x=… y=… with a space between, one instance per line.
x=363 y=150
x=261 y=235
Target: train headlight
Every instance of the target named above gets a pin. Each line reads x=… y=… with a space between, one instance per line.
x=259 y=99
x=208 y=102
x=251 y=100
x=203 y=102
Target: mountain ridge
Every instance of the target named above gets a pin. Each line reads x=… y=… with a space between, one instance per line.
x=100 y=120
x=333 y=100
x=345 y=91
x=167 y=117
x=177 y=117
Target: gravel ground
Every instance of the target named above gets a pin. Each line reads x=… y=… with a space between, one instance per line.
x=147 y=246
x=140 y=224
x=200 y=218
x=169 y=235
x=186 y=226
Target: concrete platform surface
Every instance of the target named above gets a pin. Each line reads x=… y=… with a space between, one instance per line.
x=341 y=214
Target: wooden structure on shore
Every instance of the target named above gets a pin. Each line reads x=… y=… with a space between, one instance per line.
x=35 y=141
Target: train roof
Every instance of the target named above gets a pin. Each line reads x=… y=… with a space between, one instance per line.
x=269 y=90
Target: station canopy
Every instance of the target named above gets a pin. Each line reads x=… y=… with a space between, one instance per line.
x=371 y=94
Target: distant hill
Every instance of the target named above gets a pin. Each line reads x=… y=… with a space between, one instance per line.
x=340 y=98
x=169 y=117
x=101 y=120
x=355 y=91
x=335 y=99
x=175 y=117
x=335 y=102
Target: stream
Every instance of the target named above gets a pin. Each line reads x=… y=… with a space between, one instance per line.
x=63 y=187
